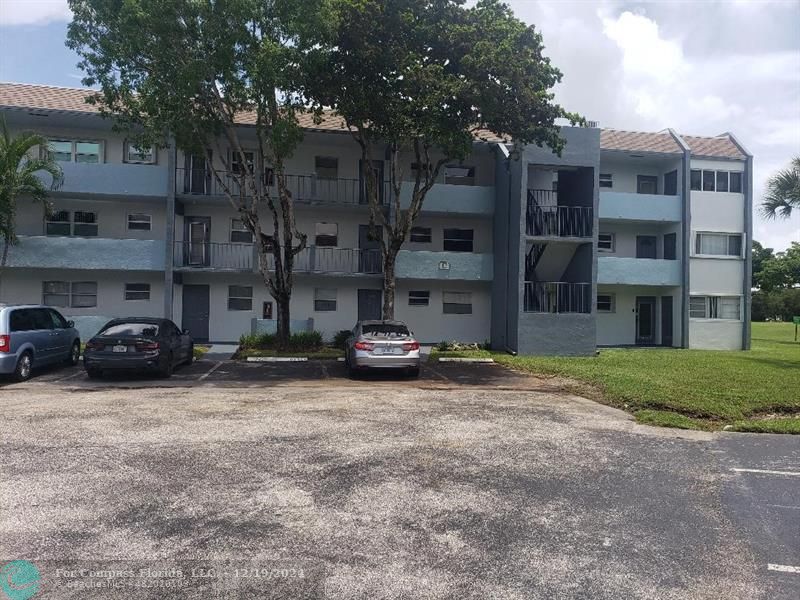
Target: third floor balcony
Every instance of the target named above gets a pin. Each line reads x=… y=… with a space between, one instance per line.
x=632 y=206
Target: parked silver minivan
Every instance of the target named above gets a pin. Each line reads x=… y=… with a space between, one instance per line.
x=33 y=335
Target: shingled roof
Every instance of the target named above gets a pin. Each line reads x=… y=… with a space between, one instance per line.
x=44 y=97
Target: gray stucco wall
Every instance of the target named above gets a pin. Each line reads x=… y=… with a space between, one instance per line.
x=500 y=250
x=564 y=334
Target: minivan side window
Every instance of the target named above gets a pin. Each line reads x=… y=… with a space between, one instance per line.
x=41 y=318
x=59 y=322
x=20 y=320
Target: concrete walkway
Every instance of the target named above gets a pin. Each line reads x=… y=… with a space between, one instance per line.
x=221 y=352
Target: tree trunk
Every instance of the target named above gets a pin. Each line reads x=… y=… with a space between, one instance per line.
x=388 y=283
x=283 y=332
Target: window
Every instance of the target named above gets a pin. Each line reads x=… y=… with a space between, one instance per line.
x=459 y=175
x=715 y=307
x=240 y=297
x=735 y=182
x=84 y=294
x=139 y=154
x=606 y=242
x=240 y=234
x=605 y=303
x=696 y=180
x=421 y=235
x=458 y=240
x=74 y=151
x=646 y=184
x=708 y=181
x=236 y=161
x=266 y=310
x=269 y=176
x=670 y=246
x=722 y=181
x=718 y=244
x=56 y=293
x=457 y=303
x=79 y=223
x=326 y=234
x=137 y=291
x=419 y=298
x=605 y=180
x=326 y=167
x=139 y=222
x=324 y=300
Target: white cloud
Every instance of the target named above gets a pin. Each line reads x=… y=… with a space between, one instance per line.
x=33 y=12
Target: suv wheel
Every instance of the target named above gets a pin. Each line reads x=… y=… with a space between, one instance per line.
x=24 y=367
x=74 y=354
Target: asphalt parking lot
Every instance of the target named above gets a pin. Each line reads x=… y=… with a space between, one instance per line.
x=470 y=482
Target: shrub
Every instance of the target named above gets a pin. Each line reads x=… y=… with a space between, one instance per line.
x=340 y=339
x=306 y=340
x=257 y=341
x=442 y=346
x=298 y=342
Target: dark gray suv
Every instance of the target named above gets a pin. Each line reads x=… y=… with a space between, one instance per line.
x=34 y=335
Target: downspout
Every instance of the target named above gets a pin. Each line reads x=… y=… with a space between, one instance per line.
x=169 y=237
x=507 y=162
x=686 y=234
x=747 y=292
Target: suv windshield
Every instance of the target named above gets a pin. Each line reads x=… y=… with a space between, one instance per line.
x=385 y=330
x=137 y=329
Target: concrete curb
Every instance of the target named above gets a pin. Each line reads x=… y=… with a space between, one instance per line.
x=277 y=359
x=467 y=360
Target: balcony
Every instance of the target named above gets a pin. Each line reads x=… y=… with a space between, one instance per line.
x=557 y=297
x=464 y=266
x=625 y=206
x=112 y=179
x=545 y=218
x=45 y=252
x=453 y=199
x=308 y=189
x=612 y=270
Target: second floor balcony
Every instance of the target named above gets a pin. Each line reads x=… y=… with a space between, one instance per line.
x=545 y=218
x=112 y=179
x=614 y=270
x=557 y=297
x=51 y=252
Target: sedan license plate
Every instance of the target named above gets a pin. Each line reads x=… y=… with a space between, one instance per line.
x=119 y=349
x=388 y=350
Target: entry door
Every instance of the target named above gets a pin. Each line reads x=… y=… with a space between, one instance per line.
x=369 y=251
x=369 y=304
x=646 y=246
x=197 y=178
x=197 y=234
x=670 y=246
x=377 y=166
x=666 y=320
x=645 y=320
x=196 y=311
x=646 y=184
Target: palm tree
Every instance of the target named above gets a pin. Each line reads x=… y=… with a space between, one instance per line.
x=19 y=169
x=783 y=192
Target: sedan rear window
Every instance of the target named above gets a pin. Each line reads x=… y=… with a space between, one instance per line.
x=385 y=330
x=138 y=329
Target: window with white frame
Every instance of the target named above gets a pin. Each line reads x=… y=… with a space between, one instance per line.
x=419 y=297
x=78 y=223
x=55 y=293
x=421 y=235
x=715 y=307
x=240 y=234
x=606 y=242
x=83 y=294
x=718 y=244
x=606 y=303
x=735 y=184
x=62 y=150
x=459 y=175
x=458 y=240
x=326 y=167
x=139 y=222
x=326 y=235
x=324 y=299
x=137 y=291
x=142 y=155
x=606 y=180
x=457 y=303
x=240 y=297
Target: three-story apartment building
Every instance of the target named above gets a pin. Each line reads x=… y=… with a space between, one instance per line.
x=626 y=238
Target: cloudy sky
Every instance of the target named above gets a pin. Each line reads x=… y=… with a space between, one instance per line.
x=701 y=67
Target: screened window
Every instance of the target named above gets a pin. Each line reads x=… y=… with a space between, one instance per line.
x=324 y=299
x=421 y=235
x=56 y=293
x=722 y=181
x=696 y=180
x=74 y=151
x=735 y=182
x=459 y=175
x=326 y=234
x=709 y=178
x=84 y=294
x=457 y=303
x=606 y=180
x=419 y=297
x=240 y=297
x=605 y=303
x=59 y=223
x=139 y=154
x=87 y=152
x=236 y=161
x=718 y=244
x=80 y=223
x=715 y=307
x=458 y=240
x=326 y=167
x=606 y=242
x=137 y=291
x=139 y=222
x=60 y=150
x=240 y=234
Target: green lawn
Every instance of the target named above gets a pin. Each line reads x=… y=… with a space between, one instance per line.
x=757 y=390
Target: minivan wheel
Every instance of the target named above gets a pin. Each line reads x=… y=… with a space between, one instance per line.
x=24 y=367
x=74 y=354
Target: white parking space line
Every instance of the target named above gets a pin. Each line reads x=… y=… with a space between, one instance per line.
x=210 y=371
x=68 y=377
x=783 y=506
x=783 y=568
x=768 y=472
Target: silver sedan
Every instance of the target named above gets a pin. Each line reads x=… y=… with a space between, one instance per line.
x=382 y=345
